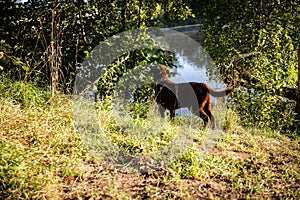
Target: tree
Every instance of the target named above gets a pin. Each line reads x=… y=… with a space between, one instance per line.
x=41 y=32
x=254 y=44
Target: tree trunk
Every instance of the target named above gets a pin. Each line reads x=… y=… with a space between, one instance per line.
x=298 y=91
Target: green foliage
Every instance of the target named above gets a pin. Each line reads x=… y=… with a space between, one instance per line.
x=8 y=61
x=263 y=110
x=187 y=165
x=12 y=173
x=126 y=64
x=254 y=45
x=39 y=29
x=26 y=94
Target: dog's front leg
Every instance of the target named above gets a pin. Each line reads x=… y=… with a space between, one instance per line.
x=162 y=111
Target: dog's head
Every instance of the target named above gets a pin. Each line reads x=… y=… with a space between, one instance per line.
x=160 y=72
x=163 y=70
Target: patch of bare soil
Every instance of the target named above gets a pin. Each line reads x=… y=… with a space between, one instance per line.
x=109 y=184
x=276 y=172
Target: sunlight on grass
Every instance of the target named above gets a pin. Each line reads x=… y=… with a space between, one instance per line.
x=45 y=154
x=120 y=139
x=38 y=148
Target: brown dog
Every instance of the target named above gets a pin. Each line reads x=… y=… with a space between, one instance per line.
x=194 y=95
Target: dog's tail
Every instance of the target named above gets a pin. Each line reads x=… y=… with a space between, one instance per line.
x=220 y=93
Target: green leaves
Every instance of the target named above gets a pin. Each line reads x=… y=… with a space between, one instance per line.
x=79 y=26
x=7 y=59
x=253 y=43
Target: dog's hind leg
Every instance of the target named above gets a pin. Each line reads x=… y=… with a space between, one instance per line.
x=172 y=115
x=204 y=116
x=210 y=115
x=199 y=111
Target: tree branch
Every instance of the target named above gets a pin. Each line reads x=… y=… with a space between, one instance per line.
x=248 y=81
x=287 y=92
x=242 y=56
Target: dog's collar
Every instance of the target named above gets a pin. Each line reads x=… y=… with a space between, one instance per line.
x=164 y=83
x=160 y=81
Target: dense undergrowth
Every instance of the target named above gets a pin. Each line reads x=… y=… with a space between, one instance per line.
x=42 y=156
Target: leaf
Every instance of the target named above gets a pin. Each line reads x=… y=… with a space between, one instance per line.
x=86 y=53
x=25 y=67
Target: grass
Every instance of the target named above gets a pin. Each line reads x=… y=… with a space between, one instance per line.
x=42 y=156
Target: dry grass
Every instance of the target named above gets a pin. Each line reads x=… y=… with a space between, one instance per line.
x=42 y=157
x=38 y=147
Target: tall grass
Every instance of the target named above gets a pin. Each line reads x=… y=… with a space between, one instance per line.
x=38 y=144
x=58 y=148
x=121 y=137
x=25 y=94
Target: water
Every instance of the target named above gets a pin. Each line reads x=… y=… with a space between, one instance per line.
x=187 y=71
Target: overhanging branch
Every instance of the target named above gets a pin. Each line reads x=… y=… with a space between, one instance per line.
x=242 y=56
x=250 y=82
